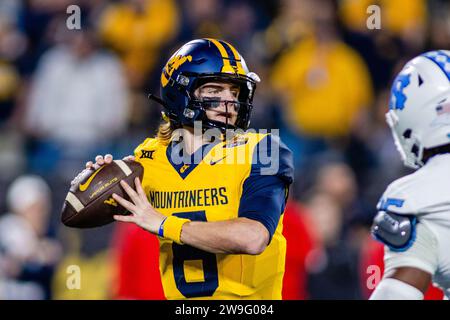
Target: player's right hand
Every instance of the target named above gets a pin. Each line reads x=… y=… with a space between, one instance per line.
x=99 y=161
x=107 y=159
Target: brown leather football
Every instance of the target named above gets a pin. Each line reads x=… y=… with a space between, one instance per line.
x=89 y=202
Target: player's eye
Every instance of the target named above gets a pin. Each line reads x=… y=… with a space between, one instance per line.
x=214 y=91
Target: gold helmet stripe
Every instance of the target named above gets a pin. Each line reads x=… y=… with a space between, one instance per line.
x=237 y=57
x=227 y=68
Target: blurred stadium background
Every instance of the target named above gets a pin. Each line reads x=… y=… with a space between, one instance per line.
x=325 y=85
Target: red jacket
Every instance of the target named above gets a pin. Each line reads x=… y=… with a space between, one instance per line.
x=136 y=259
x=300 y=241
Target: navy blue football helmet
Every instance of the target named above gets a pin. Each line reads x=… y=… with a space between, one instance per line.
x=196 y=63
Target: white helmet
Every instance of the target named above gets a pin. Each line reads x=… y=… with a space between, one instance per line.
x=419 y=108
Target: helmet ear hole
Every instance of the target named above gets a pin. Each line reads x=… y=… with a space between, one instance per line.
x=420 y=80
x=415 y=150
x=407 y=133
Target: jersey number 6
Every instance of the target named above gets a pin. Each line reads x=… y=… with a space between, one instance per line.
x=182 y=253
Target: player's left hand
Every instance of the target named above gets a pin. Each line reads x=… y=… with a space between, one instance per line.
x=142 y=212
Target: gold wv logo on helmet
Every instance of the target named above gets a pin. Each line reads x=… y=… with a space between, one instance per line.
x=173 y=64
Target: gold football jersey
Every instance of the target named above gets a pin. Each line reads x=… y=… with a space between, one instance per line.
x=210 y=190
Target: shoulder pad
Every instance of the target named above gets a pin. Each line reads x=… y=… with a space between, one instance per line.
x=396 y=231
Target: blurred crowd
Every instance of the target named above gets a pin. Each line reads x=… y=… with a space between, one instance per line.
x=68 y=95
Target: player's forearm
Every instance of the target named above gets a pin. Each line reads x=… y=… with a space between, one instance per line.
x=238 y=236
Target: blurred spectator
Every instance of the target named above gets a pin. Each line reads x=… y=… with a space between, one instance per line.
x=201 y=18
x=87 y=264
x=239 y=25
x=9 y=83
x=78 y=101
x=36 y=20
x=12 y=42
x=330 y=174
x=439 y=24
x=337 y=180
x=138 y=30
x=322 y=98
x=27 y=255
x=12 y=158
x=332 y=267
x=402 y=33
x=9 y=10
x=404 y=20
x=291 y=24
x=95 y=272
x=12 y=45
x=377 y=137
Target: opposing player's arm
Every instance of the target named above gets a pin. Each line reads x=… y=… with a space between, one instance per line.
x=398 y=233
x=410 y=263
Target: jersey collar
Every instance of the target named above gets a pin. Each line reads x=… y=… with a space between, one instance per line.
x=185 y=165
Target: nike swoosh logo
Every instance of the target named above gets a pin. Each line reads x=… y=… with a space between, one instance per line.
x=214 y=162
x=85 y=185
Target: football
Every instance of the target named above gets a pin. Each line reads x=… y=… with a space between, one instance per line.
x=89 y=202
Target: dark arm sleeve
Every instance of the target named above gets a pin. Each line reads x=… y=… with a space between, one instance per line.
x=265 y=190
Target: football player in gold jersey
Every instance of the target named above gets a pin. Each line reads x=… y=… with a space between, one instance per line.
x=215 y=200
